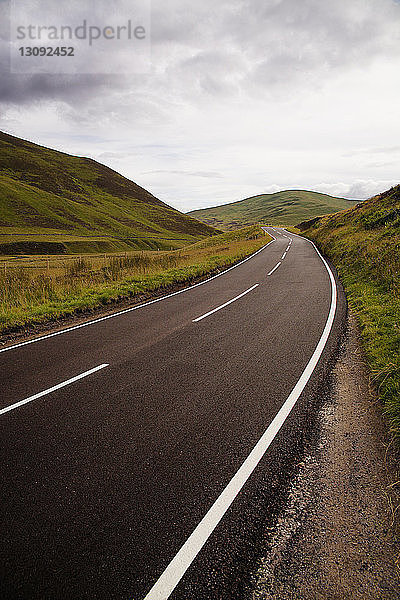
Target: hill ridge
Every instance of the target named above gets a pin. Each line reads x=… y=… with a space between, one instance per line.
x=47 y=192
x=286 y=207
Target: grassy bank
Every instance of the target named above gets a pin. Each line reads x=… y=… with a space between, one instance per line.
x=364 y=245
x=45 y=289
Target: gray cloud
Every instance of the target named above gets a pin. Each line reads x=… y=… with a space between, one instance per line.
x=263 y=44
x=226 y=48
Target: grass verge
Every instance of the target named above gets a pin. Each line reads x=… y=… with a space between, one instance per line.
x=364 y=245
x=29 y=296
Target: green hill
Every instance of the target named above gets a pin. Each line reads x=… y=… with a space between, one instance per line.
x=282 y=208
x=364 y=245
x=51 y=202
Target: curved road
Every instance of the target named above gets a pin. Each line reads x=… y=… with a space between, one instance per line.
x=142 y=453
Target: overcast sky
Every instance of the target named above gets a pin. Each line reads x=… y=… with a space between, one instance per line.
x=240 y=97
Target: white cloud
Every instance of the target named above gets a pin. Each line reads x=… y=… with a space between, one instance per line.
x=358 y=190
x=366 y=189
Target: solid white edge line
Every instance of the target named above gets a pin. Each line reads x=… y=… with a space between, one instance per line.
x=274 y=269
x=52 y=389
x=128 y=310
x=226 y=303
x=170 y=578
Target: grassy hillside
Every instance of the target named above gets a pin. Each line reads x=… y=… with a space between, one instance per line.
x=42 y=290
x=51 y=202
x=364 y=244
x=283 y=208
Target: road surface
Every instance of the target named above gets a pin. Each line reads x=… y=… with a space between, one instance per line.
x=143 y=453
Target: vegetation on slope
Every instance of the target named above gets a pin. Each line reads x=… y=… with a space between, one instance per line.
x=81 y=284
x=283 y=208
x=52 y=203
x=364 y=244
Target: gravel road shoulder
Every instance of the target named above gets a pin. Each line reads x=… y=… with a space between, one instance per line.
x=337 y=537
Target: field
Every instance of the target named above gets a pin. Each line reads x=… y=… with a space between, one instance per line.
x=35 y=289
x=364 y=245
x=283 y=208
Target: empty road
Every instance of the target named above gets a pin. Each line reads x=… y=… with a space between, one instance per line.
x=143 y=454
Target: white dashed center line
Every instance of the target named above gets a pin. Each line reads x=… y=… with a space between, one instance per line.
x=226 y=303
x=275 y=268
x=52 y=389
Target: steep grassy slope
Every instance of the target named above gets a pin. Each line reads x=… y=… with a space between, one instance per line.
x=283 y=208
x=364 y=244
x=48 y=197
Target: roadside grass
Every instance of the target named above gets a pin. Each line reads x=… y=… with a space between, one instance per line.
x=378 y=314
x=48 y=289
x=364 y=245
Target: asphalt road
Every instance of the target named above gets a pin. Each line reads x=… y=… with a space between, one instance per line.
x=118 y=437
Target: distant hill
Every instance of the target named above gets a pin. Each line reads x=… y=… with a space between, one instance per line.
x=52 y=202
x=282 y=208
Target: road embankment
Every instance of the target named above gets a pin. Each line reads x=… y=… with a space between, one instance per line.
x=364 y=245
